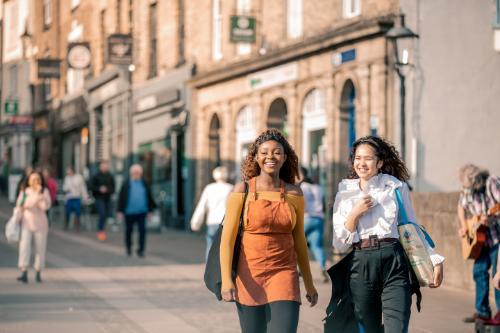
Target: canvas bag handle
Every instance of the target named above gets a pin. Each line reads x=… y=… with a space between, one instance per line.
x=404 y=219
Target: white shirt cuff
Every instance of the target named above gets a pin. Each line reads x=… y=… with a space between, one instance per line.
x=343 y=238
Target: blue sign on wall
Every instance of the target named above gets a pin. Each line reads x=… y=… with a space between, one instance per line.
x=343 y=57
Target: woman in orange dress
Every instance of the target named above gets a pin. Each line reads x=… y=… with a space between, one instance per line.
x=266 y=290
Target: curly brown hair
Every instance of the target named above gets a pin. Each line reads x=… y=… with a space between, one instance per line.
x=290 y=169
x=385 y=152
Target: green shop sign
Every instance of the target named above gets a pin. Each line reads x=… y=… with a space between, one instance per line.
x=242 y=29
x=11 y=108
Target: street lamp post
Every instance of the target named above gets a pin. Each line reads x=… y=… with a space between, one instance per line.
x=402 y=38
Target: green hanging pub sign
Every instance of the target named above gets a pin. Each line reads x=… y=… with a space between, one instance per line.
x=242 y=29
x=11 y=107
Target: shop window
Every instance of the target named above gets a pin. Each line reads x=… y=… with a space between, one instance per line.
x=351 y=8
x=156 y=160
x=216 y=30
x=294 y=18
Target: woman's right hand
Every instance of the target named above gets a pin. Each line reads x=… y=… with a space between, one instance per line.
x=229 y=294
x=363 y=205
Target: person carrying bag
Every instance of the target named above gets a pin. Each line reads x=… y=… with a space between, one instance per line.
x=13 y=226
x=373 y=285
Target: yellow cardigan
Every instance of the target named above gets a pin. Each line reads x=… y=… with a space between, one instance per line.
x=231 y=222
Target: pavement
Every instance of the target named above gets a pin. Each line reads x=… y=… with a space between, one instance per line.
x=92 y=286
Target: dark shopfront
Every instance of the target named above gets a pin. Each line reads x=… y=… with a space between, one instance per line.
x=71 y=127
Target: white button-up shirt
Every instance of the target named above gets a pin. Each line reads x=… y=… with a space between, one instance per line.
x=380 y=220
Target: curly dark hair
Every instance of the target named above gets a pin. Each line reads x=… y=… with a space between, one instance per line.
x=385 y=152
x=290 y=169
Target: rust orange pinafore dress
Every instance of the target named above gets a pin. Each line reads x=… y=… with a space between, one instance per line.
x=267 y=266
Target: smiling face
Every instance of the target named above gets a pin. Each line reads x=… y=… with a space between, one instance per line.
x=366 y=163
x=34 y=180
x=270 y=157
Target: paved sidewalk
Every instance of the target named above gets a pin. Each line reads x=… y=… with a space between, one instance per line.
x=91 y=286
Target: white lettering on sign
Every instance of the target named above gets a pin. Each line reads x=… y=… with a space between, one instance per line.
x=273 y=76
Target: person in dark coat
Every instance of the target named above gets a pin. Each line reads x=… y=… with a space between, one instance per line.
x=103 y=187
x=135 y=202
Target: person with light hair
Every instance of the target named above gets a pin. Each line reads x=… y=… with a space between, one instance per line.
x=212 y=205
x=135 y=202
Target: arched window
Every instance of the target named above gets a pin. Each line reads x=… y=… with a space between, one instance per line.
x=313 y=135
x=277 y=116
x=214 y=142
x=347 y=122
x=246 y=131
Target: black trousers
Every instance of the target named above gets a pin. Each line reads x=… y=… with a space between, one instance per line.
x=140 y=221
x=275 y=317
x=380 y=287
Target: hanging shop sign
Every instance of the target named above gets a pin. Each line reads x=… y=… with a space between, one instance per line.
x=242 y=29
x=79 y=55
x=49 y=68
x=11 y=107
x=119 y=50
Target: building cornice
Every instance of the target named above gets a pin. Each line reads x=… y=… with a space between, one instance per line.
x=331 y=40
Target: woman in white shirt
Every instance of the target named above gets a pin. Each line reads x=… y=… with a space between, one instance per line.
x=365 y=218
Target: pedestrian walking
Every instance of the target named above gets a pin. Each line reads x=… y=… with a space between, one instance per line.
x=75 y=191
x=51 y=185
x=34 y=201
x=314 y=219
x=135 y=201
x=365 y=218
x=212 y=204
x=103 y=187
x=480 y=193
x=266 y=288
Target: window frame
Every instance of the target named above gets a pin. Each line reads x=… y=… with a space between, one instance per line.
x=47 y=13
x=351 y=8
x=294 y=19
x=217 y=54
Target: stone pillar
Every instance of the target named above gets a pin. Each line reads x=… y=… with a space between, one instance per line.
x=378 y=95
x=293 y=113
x=363 y=102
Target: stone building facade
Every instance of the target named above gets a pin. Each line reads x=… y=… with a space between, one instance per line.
x=324 y=84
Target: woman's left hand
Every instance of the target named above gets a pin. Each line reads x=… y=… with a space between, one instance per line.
x=312 y=297
x=438 y=276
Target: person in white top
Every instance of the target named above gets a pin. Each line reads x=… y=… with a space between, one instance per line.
x=75 y=191
x=212 y=204
x=34 y=201
x=365 y=218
